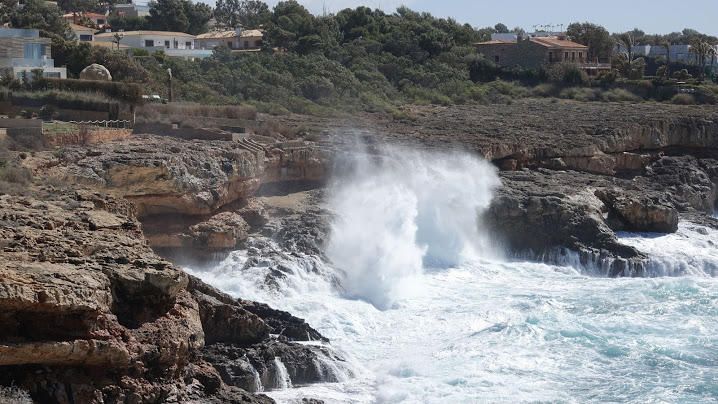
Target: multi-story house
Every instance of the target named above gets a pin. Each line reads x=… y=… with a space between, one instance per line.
x=22 y=51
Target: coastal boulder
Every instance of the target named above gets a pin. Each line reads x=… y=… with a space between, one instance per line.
x=636 y=213
x=95 y=72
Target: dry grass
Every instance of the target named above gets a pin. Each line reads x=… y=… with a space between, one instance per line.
x=274 y=128
x=158 y=112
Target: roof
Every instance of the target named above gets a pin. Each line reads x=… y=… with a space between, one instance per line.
x=80 y=15
x=230 y=34
x=217 y=35
x=77 y=28
x=554 y=42
x=140 y=33
x=252 y=32
x=495 y=42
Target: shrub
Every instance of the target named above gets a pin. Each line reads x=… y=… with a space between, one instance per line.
x=127 y=92
x=607 y=79
x=545 y=90
x=619 y=94
x=682 y=74
x=567 y=73
x=683 y=99
x=482 y=70
x=580 y=94
x=62 y=99
x=154 y=112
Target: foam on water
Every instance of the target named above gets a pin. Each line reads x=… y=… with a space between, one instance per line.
x=484 y=329
x=692 y=250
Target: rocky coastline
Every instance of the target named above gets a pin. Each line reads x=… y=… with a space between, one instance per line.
x=96 y=309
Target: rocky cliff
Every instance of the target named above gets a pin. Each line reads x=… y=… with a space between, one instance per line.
x=88 y=313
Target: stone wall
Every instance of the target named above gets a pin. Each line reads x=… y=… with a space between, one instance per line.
x=84 y=136
x=162 y=129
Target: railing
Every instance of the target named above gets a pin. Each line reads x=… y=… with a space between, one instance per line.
x=77 y=126
x=110 y=124
x=26 y=62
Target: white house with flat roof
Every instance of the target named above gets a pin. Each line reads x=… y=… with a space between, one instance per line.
x=174 y=44
x=22 y=51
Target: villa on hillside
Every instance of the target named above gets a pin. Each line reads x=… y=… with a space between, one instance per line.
x=535 y=51
x=82 y=33
x=173 y=44
x=238 y=39
x=131 y=10
x=22 y=51
x=100 y=20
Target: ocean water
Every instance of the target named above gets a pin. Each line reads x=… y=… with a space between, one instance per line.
x=426 y=311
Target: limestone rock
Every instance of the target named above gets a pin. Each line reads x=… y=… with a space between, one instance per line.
x=95 y=72
x=634 y=213
x=222 y=231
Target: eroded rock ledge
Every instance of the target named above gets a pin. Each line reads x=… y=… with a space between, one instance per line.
x=89 y=314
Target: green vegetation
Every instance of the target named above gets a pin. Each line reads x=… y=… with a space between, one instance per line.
x=364 y=59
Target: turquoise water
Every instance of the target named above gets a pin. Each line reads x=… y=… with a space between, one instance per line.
x=506 y=332
x=479 y=328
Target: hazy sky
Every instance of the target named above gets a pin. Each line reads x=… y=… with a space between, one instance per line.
x=652 y=16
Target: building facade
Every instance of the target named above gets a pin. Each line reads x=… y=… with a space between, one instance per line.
x=174 y=44
x=83 y=34
x=678 y=53
x=22 y=51
x=236 y=40
x=131 y=10
x=534 y=52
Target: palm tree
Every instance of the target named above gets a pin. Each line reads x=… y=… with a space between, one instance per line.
x=628 y=42
x=703 y=51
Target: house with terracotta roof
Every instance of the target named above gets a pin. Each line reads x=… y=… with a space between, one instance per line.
x=99 y=20
x=238 y=39
x=535 y=51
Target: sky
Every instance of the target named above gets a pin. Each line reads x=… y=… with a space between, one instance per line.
x=652 y=16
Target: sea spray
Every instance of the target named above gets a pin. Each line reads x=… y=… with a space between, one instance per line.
x=402 y=212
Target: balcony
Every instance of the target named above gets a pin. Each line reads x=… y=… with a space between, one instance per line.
x=24 y=62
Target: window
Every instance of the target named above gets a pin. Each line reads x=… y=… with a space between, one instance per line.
x=188 y=45
x=100 y=21
x=229 y=44
x=55 y=75
x=565 y=56
x=496 y=58
x=149 y=43
x=573 y=56
x=34 y=51
x=85 y=37
x=550 y=57
x=167 y=44
x=176 y=44
x=246 y=44
x=580 y=56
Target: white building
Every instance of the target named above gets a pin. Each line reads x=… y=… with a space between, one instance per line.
x=22 y=51
x=174 y=44
x=678 y=53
